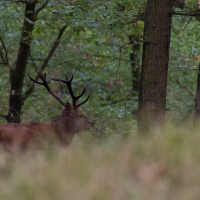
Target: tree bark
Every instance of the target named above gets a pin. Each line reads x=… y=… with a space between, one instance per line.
x=18 y=72
x=197 y=102
x=134 y=67
x=153 y=81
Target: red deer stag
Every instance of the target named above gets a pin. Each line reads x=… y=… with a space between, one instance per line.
x=64 y=126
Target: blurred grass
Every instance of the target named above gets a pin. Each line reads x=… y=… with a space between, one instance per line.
x=158 y=167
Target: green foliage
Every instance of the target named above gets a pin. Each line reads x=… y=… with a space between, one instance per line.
x=116 y=157
x=90 y=45
x=95 y=31
x=192 y=5
x=183 y=69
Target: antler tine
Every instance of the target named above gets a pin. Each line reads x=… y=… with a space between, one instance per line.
x=83 y=101
x=74 y=98
x=71 y=77
x=56 y=79
x=35 y=80
x=80 y=95
x=68 y=82
x=43 y=78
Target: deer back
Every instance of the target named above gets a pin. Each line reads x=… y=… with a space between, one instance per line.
x=21 y=135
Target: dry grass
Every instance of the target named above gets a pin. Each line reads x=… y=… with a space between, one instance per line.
x=156 y=167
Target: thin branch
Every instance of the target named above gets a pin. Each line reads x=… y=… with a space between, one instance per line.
x=120 y=52
x=42 y=7
x=53 y=48
x=109 y=57
x=4 y=116
x=5 y=59
x=5 y=50
x=21 y=2
x=122 y=100
x=33 y=61
x=37 y=59
x=185 y=13
x=117 y=71
x=10 y=109
x=187 y=23
x=183 y=68
x=186 y=89
x=51 y=26
x=28 y=2
x=51 y=52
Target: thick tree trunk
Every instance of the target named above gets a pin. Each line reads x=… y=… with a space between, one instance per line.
x=153 y=81
x=197 y=102
x=135 y=67
x=18 y=72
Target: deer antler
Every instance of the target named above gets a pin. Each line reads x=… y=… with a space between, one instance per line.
x=43 y=78
x=74 y=98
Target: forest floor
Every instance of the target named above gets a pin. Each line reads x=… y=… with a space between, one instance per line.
x=153 y=167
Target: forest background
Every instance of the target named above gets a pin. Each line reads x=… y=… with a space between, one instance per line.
x=92 y=34
x=87 y=37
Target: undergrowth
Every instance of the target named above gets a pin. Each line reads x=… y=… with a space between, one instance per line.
x=156 y=166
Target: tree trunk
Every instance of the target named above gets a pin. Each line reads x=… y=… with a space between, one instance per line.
x=18 y=72
x=153 y=81
x=135 y=67
x=197 y=102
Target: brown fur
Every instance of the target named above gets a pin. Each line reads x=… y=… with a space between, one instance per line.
x=63 y=128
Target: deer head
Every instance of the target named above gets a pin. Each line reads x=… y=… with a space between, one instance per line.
x=70 y=121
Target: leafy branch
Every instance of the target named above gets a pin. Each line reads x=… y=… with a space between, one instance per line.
x=117 y=80
x=42 y=7
x=4 y=116
x=197 y=13
x=51 y=52
x=28 y=2
x=4 y=59
x=186 y=89
x=33 y=61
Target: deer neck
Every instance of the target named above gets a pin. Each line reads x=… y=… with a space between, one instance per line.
x=64 y=130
